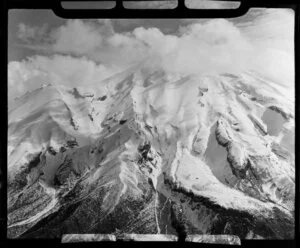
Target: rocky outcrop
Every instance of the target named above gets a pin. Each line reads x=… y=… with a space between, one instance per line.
x=259 y=125
x=235 y=222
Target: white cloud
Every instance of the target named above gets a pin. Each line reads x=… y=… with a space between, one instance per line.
x=34 y=34
x=263 y=42
x=76 y=37
x=156 y=40
x=214 y=46
x=272 y=35
x=61 y=70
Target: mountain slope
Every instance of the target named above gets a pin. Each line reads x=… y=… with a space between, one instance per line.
x=153 y=152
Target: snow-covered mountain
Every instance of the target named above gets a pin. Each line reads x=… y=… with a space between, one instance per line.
x=151 y=152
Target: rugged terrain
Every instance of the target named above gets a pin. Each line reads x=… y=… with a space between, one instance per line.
x=149 y=152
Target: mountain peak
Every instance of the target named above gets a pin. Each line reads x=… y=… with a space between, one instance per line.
x=154 y=149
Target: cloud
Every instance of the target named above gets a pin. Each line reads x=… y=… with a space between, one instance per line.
x=34 y=34
x=272 y=28
x=271 y=33
x=76 y=37
x=261 y=41
x=212 y=47
x=20 y=76
x=29 y=74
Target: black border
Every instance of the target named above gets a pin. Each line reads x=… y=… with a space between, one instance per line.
x=120 y=12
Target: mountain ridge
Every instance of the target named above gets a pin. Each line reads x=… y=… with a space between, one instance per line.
x=144 y=142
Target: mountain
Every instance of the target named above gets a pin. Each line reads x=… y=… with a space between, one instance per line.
x=151 y=152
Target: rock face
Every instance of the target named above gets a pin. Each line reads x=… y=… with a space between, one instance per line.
x=139 y=155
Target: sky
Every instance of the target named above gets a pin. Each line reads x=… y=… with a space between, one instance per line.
x=45 y=48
